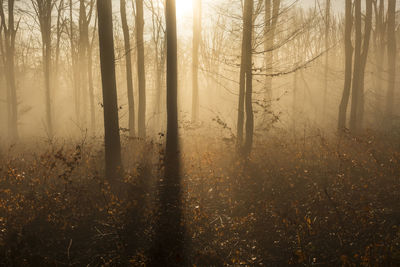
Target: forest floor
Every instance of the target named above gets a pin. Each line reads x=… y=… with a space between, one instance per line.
x=308 y=201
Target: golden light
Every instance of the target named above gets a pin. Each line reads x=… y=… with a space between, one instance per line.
x=184 y=8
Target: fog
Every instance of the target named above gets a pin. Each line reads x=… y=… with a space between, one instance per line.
x=265 y=133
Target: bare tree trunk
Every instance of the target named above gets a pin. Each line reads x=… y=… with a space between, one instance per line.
x=10 y=32
x=364 y=57
x=83 y=48
x=242 y=89
x=271 y=20
x=348 y=66
x=355 y=100
x=327 y=30
x=91 y=86
x=172 y=84
x=141 y=69
x=391 y=53
x=379 y=41
x=43 y=9
x=195 y=59
x=169 y=238
x=247 y=38
x=128 y=64
x=107 y=62
x=74 y=66
x=245 y=84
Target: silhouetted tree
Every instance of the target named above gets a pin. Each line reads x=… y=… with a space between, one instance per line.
x=107 y=62
x=43 y=10
x=272 y=8
x=327 y=31
x=246 y=85
x=141 y=69
x=195 y=59
x=128 y=64
x=360 y=61
x=391 y=53
x=10 y=31
x=348 y=65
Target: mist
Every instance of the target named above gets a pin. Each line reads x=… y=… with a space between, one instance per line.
x=199 y=132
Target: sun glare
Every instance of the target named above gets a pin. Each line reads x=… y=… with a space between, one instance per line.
x=184 y=8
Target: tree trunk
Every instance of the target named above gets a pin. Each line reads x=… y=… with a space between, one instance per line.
x=83 y=48
x=195 y=60
x=270 y=20
x=128 y=64
x=169 y=237
x=141 y=69
x=391 y=53
x=245 y=83
x=247 y=38
x=355 y=100
x=107 y=61
x=74 y=66
x=379 y=56
x=348 y=66
x=9 y=43
x=364 y=57
x=91 y=90
x=327 y=29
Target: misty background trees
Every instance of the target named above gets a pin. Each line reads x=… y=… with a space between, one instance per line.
x=245 y=74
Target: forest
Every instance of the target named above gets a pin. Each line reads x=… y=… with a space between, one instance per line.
x=199 y=133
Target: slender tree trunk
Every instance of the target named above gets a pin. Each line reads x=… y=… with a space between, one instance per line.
x=83 y=58
x=172 y=84
x=128 y=63
x=271 y=20
x=90 y=78
x=379 y=56
x=355 y=100
x=195 y=60
x=9 y=44
x=169 y=239
x=348 y=66
x=391 y=53
x=242 y=88
x=107 y=62
x=74 y=66
x=245 y=84
x=44 y=10
x=141 y=69
x=327 y=30
x=247 y=38
x=364 y=57
x=91 y=91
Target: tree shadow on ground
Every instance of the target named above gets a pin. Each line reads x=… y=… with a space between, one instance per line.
x=169 y=240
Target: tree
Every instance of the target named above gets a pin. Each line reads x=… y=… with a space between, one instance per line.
x=379 y=45
x=168 y=250
x=327 y=30
x=195 y=59
x=360 y=61
x=391 y=53
x=107 y=62
x=348 y=65
x=74 y=65
x=245 y=84
x=10 y=32
x=141 y=69
x=271 y=20
x=43 y=10
x=84 y=21
x=128 y=64
x=158 y=38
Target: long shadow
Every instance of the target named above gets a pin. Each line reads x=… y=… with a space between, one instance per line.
x=169 y=246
